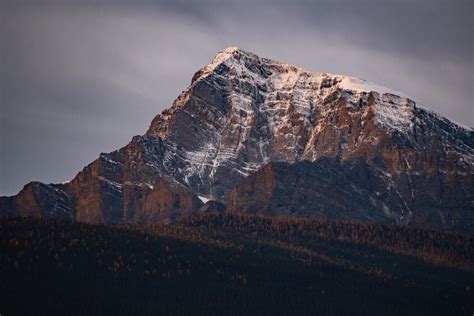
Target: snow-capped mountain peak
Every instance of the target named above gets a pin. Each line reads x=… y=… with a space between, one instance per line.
x=246 y=117
x=394 y=109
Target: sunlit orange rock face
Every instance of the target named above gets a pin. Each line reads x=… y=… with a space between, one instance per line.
x=38 y=200
x=266 y=137
x=127 y=190
x=254 y=193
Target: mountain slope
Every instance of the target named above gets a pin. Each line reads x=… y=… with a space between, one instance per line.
x=242 y=112
x=351 y=191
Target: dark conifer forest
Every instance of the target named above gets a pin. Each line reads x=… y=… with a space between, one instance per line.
x=225 y=264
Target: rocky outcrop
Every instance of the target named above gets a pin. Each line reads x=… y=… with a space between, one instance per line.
x=38 y=200
x=125 y=186
x=351 y=190
x=255 y=193
x=257 y=122
x=118 y=187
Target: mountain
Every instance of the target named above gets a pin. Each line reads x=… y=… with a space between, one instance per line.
x=266 y=137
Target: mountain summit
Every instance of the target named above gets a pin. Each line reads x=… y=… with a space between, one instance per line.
x=261 y=136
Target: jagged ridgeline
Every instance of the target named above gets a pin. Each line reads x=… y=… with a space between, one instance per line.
x=259 y=136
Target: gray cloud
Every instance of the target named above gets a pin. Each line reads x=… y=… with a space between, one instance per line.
x=81 y=77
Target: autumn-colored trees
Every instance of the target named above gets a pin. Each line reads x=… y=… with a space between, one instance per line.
x=233 y=264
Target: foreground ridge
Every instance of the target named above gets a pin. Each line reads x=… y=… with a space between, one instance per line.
x=219 y=263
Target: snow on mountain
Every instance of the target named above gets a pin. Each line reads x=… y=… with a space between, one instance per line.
x=250 y=110
x=243 y=112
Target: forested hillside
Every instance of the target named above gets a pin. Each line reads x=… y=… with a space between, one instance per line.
x=233 y=264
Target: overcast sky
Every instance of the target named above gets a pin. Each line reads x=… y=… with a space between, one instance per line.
x=82 y=77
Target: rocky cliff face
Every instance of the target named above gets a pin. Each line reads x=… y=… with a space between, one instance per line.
x=352 y=190
x=119 y=187
x=129 y=186
x=38 y=200
x=258 y=122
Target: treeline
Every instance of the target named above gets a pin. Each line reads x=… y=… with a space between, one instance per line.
x=437 y=247
x=224 y=264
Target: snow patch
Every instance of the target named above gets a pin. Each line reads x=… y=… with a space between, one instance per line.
x=203 y=199
x=361 y=85
x=395 y=116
